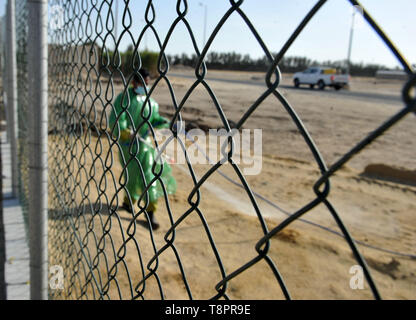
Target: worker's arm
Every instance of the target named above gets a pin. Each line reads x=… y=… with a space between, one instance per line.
x=122 y=120
x=157 y=121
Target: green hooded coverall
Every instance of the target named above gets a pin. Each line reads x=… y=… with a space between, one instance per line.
x=130 y=119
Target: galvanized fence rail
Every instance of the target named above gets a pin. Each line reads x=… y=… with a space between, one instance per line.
x=101 y=249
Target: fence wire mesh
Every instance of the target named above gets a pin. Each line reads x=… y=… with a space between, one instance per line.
x=22 y=104
x=101 y=232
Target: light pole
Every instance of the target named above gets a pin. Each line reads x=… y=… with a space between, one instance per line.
x=354 y=11
x=205 y=21
x=116 y=22
x=145 y=36
x=350 y=42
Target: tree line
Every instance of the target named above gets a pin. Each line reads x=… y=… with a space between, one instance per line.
x=237 y=61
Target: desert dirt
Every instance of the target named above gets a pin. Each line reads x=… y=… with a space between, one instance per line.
x=374 y=194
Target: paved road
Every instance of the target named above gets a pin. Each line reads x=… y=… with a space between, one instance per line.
x=16 y=255
x=368 y=96
x=3 y=288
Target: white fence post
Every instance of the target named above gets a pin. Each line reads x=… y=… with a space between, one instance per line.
x=12 y=91
x=38 y=143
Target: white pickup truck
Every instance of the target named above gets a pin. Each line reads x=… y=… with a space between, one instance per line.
x=322 y=77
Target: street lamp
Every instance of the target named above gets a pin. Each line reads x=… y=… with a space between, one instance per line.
x=145 y=36
x=116 y=22
x=205 y=21
x=354 y=11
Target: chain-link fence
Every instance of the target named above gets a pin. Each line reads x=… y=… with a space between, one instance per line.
x=107 y=187
x=22 y=103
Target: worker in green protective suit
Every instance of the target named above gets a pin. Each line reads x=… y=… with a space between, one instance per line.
x=130 y=112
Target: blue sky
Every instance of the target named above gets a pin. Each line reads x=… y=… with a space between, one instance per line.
x=325 y=38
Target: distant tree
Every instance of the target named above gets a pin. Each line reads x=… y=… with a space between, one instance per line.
x=149 y=61
x=176 y=59
x=237 y=61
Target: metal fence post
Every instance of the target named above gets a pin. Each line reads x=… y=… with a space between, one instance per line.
x=12 y=91
x=5 y=70
x=38 y=140
x=3 y=32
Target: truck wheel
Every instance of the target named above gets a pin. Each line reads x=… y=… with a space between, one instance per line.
x=311 y=86
x=321 y=85
x=296 y=83
x=337 y=87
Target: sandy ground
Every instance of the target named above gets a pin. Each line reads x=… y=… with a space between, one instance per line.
x=220 y=237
